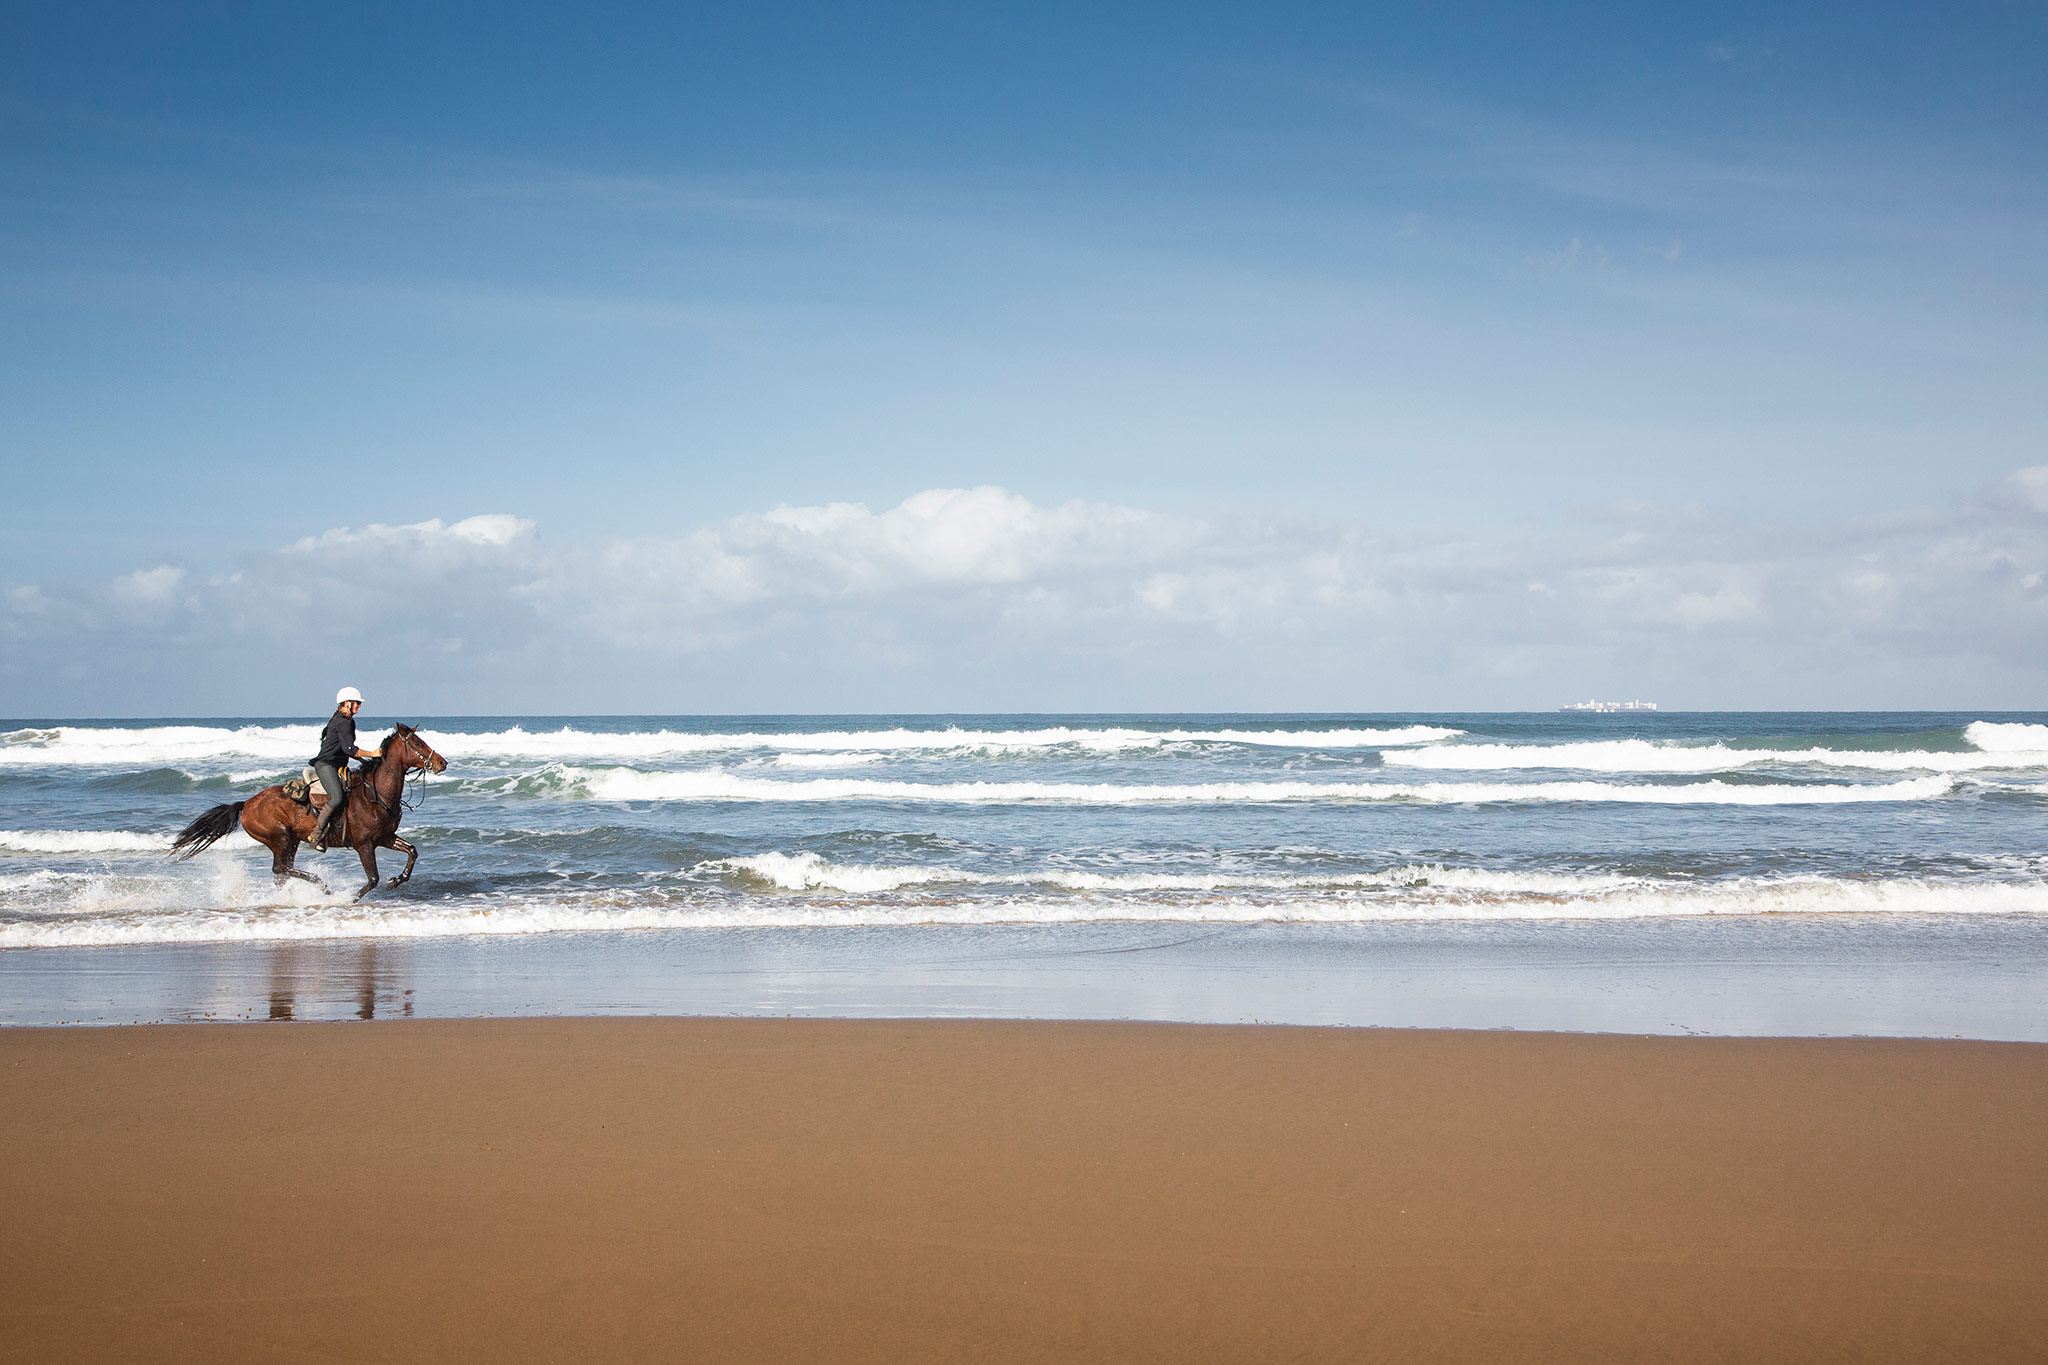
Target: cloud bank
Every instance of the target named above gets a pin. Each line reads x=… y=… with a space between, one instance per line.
x=978 y=599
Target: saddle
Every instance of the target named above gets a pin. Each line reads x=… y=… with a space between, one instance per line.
x=307 y=791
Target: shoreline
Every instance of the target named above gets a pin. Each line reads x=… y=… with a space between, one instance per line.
x=765 y=1190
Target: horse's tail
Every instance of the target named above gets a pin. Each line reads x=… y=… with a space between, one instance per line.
x=202 y=832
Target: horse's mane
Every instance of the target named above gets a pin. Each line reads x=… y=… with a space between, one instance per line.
x=370 y=765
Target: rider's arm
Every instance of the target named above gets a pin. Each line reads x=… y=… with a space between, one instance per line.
x=367 y=753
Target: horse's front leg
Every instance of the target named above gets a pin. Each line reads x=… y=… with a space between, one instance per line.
x=368 y=853
x=412 y=855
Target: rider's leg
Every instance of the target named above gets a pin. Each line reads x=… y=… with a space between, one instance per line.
x=330 y=782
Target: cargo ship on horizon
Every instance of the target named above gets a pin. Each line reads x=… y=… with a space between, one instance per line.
x=1605 y=707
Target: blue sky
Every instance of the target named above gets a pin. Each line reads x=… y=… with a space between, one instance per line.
x=1686 y=319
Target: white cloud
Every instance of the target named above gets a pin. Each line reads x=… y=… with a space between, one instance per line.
x=491 y=529
x=942 y=536
x=2030 y=487
x=981 y=598
x=150 y=588
x=494 y=529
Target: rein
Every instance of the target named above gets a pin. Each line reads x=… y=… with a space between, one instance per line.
x=421 y=799
x=407 y=801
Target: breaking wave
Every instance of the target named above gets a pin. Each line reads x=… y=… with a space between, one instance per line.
x=170 y=745
x=81 y=841
x=629 y=784
x=811 y=872
x=155 y=746
x=567 y=743
x=1646 y=756
x=1419 y=893
x=1994 y=736
x=1994 y=745
x=826 y=760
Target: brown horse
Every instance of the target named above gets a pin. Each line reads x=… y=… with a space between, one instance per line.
x=374 y=806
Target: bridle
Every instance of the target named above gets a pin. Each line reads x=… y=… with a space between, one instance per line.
x=412 y=799
x=426 y=756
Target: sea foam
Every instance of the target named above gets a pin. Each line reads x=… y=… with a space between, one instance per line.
x=1646 y=756
x=629 y=784
x=1429 y=894
x=811 y=872
x=81 y=841
x=570 y=743
x=171 y=745
x=155 y=746
x=2006 y=736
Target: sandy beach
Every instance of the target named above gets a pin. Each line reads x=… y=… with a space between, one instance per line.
x=753 y=1190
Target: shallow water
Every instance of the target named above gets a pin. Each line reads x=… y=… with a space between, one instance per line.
x=1934 y=976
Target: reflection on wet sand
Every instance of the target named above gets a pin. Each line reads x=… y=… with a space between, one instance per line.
x=322 y=981
x=1969 y=976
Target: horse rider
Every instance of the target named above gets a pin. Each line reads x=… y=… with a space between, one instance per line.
x=337 y=747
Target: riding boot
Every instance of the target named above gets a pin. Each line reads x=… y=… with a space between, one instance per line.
x=319 y=839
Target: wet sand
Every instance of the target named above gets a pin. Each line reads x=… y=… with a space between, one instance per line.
x=674 y=1189
x=1914 y=976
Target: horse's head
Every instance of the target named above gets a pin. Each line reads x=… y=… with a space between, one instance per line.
x=410 y=751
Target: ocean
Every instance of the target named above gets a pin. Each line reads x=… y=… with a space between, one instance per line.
x=1841 y=872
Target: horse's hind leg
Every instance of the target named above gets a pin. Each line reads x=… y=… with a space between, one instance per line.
x=283 y=854
x=412 y=855
x=290 y=857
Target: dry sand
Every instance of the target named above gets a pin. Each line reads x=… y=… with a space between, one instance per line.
x=720 y=1190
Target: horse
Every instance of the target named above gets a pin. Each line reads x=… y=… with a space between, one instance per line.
x=373 y=808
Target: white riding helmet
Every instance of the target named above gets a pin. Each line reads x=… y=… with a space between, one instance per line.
x=347 y=694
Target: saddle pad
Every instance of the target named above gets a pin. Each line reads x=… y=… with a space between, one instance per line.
x=310 y=792
x=312 y=779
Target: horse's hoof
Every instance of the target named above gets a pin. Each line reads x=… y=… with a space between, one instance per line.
x=393 y=884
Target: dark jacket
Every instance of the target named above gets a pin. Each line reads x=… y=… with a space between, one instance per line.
x=337 y=741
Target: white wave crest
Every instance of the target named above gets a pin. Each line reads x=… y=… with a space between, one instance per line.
x=1646 y=756
x=571 y=743
x=810 y=872
x=155 y=746
x=213 y=884
x=1999 y=737
x=169 y=745
x=290 y=916
x=826 y=760
x=629 y=784
x=81 y=841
